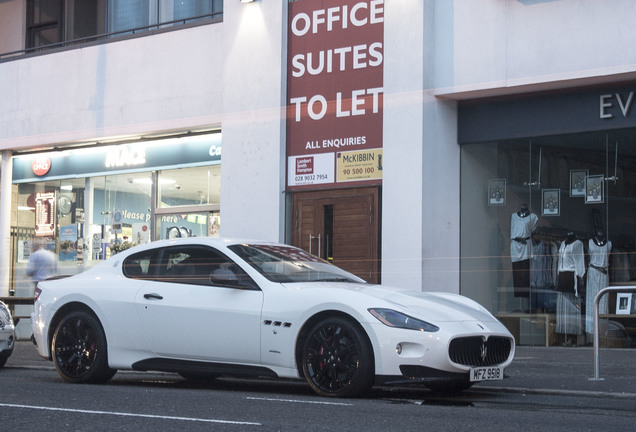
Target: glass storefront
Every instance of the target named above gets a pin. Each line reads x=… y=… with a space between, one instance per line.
x=87 y=204
x=545 y=224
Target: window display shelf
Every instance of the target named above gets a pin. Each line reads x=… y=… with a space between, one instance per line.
x=530 y=329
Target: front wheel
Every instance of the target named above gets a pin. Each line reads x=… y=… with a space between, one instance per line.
x=79 y=349
x=337 y=359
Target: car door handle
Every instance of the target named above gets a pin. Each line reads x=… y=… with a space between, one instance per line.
x=153 y=296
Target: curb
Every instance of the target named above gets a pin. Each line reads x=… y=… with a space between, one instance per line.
x=554 y=392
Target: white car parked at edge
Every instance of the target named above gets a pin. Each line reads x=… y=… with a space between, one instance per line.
x=205 y=307
x=7 y=334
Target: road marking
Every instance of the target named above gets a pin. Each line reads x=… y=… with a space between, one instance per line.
x=300 y=401
x=123 y=414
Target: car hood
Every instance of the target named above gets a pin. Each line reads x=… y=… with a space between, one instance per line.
x=434 y=307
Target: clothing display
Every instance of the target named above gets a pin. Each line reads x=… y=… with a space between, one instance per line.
x=571 y=267
x=568 y=316
x=597 y=279
x=542 y=266
x=522 y=224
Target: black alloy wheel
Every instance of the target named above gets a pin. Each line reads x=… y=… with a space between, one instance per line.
x=79 y=349
x=337 y=359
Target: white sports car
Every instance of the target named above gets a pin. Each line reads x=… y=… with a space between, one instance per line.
x=205 y=307
x=7 y=334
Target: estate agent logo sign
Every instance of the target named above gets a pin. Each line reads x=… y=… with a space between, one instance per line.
x=335 y=79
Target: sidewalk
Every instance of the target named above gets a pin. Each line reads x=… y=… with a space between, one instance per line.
x=553 y=370
x=561 y=370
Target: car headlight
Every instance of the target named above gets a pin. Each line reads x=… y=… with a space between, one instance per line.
x=397 y=319
x=4 y=311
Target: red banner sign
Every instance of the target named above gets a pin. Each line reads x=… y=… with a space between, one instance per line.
x=335 y=95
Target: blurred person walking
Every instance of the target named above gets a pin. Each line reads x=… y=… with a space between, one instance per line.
x=42 y=263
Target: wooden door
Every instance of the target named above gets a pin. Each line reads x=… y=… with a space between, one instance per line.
x=341 y=226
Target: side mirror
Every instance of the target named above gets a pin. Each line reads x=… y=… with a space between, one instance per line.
x=223 y=276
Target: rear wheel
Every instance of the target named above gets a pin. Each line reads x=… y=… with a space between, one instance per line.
x=337 y=359
x=79 y=349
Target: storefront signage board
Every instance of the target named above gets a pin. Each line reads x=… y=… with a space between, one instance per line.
x=335 y=93
x=547 y=113
x=119 y=159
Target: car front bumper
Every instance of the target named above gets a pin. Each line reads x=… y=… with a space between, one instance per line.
x=7 y=341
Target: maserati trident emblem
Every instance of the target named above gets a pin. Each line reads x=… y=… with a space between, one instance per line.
x=483 y=351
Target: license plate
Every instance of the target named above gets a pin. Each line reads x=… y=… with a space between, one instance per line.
x=486 y=373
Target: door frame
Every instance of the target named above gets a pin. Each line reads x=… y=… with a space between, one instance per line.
x=324 y=197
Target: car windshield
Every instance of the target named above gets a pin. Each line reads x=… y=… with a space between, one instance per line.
x=280 y=263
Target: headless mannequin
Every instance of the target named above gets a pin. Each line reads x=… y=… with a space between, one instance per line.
x=599 y=239
x=571 y=267
x=599 y=248
x=522 y=225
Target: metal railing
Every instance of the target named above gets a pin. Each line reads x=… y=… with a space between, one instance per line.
x=167 y=25
x=597 y=299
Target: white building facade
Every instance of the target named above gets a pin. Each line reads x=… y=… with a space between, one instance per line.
x=395 y=138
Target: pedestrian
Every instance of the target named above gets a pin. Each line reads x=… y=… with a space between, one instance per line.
x=42 y=263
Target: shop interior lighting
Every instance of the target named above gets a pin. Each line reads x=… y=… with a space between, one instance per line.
x=145 y=180
x=246 y=1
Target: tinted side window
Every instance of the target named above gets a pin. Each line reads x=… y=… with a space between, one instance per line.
x=201 y=265
x=139 y=265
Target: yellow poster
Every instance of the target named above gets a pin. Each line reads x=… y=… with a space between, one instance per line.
x=359 y=165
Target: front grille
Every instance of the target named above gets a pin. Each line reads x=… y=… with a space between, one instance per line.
x=478 y=351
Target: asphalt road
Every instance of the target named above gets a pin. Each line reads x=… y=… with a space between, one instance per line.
x=34 y=398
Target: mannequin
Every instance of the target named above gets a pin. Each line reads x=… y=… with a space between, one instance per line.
x=571 y=267
x=523 y=211
x=522 y=225
x=599 y=249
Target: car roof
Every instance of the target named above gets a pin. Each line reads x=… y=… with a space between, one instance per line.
x=220 y=242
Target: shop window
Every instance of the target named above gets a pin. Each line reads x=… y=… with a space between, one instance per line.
x=121 y=211
x=190 y=224
x=189 y=186
x=535 y=214
x=87 y=220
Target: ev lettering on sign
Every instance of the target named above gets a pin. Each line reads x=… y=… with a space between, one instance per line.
x=615 y=104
